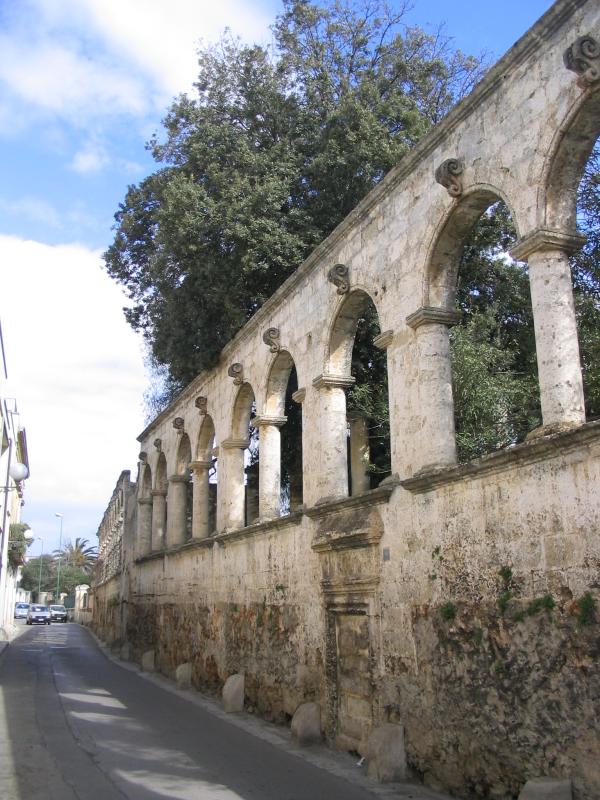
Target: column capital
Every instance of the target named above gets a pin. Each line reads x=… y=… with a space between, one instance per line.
x=235 y=444
x=199 y=466
x=144 y=501
x=432 y=315
x=179 y=478
x=326 y=380
x=299 y=395
x=384 y=340
x=158 y=493
x=265 y=419
x=547 y=239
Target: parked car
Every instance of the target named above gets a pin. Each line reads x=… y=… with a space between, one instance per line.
x=38 y=614
x=21 y=610
x=58 y=613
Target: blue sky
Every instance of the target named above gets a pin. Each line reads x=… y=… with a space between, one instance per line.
x=83 y=84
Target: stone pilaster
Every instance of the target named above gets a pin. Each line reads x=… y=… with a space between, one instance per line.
x=359 y=455
x=231 y=495
x=159 y=518
x=557 y=346
x=177 y=516
x=436 y=406
x=144 y=526
x=201 y=499
x=332 y=478
x=269 y=474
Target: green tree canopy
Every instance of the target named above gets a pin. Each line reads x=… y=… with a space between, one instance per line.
x=274 y=149
x=80 y=555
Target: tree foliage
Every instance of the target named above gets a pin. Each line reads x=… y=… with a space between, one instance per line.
x=70 y=576
x=80 y=555
x=274 y=149
x=18 y=544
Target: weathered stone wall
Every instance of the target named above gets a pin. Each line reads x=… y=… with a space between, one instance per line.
x=458 y=600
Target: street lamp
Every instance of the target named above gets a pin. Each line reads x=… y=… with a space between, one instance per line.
x=59 y=549
x=41 y=560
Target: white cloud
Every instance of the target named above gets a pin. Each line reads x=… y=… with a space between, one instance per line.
x=91 y=158
x=34 y=209
x=76 y=370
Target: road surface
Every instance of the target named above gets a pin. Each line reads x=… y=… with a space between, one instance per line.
x=75 y=725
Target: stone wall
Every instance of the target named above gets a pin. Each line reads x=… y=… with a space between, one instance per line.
x=458 y=600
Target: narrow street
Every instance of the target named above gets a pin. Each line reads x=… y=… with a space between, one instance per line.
x=75 y=724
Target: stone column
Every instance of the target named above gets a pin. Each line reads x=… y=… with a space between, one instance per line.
x=297 y=478
x=557 y=345
x=177 y=516
x=231 y=494
x=201 y=496
x=159 y=518
x=332 y=479
x=144 y=526
x=359 y=455
x=436 y=406
x=269 y=473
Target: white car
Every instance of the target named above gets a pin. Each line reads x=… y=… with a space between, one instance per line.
x=21 y=610
x=39 y=614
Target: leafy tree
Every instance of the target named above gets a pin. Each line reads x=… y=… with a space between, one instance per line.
x=18 y=544
x=271 y=153
x=80 y=556
x=70 y=576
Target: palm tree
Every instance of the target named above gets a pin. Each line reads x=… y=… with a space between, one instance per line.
x=81 y=555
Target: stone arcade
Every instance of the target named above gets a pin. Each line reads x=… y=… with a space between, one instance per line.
x=341 y=601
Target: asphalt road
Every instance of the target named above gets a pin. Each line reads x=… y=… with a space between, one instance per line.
x=75 y=725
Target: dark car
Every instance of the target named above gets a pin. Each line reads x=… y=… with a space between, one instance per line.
x=21 y=610
x=39 y=614
x=58 y=613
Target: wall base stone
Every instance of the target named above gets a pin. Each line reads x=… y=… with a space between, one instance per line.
x=233 y=694
x=306 y=724
x=546 y=789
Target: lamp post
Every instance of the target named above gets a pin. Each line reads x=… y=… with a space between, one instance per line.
x=40 y=573
x=59 y=549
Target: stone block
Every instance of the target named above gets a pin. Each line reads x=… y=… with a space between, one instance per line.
x=148 y=661
x=386 y=756
x=183 y=676
x=546 y=789
x=306 y=724
x=233 y=694
x=125 y=652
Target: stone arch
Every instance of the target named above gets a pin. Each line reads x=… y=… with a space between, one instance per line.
x=184 y=455
x=146 y=482
x=343 y=331
x=443 y=262
x=242 y=412
x=206 y=438
x=279 y=375
x=568 y=155
x=161 y=473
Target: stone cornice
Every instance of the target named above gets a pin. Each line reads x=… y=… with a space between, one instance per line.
x=495 y=78
x=144 y=501
x=547 y=239
x=342 y=381
x=375 y=496
x=179 y=478
x=158 y=493
x=530 y=452
x=428 y=315
x=258 y=422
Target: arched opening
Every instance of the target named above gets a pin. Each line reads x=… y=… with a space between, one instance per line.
x=159 y=504
x=492 y=348
x=573 y=204
x=354 y=353
x=281 y=430
x=205 y=482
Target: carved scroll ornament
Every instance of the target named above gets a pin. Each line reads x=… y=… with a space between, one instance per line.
x=340 y=277
x=583 y=58
x=201 y=404
x=271 y=337
x=236 y=371
x=158 y=444
x=179 y=424
x=448 y=175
